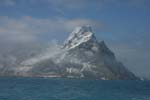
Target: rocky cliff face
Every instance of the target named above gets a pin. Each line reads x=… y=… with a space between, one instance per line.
x=81 y=56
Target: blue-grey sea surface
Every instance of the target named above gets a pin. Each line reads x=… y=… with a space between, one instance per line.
x=72 y=89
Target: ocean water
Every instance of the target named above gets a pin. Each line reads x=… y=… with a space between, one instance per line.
x=72 y=89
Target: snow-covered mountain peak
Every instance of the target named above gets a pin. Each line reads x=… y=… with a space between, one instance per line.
x=82 y=29
x=82 y=56
x=79 y=35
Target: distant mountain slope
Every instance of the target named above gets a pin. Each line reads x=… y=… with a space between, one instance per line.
x=81 y=56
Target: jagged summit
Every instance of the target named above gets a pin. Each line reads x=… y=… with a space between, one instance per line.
x=78 y=36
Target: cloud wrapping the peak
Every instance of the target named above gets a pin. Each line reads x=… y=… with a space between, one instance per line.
x=27 y=29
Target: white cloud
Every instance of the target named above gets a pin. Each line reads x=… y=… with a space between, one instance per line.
x=27 y=29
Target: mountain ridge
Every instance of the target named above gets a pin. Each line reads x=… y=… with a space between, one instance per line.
x=81 y=56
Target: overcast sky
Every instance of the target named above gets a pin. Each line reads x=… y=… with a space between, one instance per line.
x=123 y=24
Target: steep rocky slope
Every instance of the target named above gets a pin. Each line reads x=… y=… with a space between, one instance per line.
x=82 y=56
